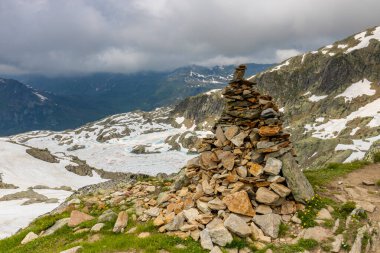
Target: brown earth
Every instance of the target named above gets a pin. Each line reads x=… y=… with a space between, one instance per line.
x=352 y=188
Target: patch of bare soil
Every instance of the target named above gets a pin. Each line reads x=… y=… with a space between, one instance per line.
x=360 y=186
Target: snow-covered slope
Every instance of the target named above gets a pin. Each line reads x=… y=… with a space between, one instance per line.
x=160 y=141
x=137 y=142
x=24 y=171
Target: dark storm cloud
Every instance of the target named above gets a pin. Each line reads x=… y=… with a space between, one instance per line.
x=74 y=36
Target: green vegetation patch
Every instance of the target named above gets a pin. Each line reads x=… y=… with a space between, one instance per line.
x=308 y=215
x=322 y=177
x=301 y=246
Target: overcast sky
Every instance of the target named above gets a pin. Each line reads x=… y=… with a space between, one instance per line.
x=76 y=36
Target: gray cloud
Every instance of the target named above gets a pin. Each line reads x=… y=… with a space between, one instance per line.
x=74 y=36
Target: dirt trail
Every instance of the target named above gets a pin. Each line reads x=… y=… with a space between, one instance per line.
x=352 y=188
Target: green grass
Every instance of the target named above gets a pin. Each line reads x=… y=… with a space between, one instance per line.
x=283 y=229
x=109 y=241
x=300 y=246
x=378 y=182
x=321 y=177
x=37 y=226
x=312 y=207
x=376 y=157
x=237 y=243
x=346 y=209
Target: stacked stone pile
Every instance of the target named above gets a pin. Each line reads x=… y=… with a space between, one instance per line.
x=244 y=179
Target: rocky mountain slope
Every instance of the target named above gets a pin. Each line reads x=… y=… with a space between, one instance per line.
x=330 y=98
x=58 y=103
x=111 y=93
x=23 y=108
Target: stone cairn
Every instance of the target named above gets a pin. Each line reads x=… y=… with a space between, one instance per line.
x=244 y=182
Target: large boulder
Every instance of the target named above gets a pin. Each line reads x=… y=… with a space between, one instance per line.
x=57 y=225
x=121 y=222
x=29 y=237
x=77 y=217
x=295 y=179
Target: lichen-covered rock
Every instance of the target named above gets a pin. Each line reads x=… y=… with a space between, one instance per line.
x=296 y=180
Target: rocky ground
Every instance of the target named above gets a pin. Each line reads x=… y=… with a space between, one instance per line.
x=128 y=210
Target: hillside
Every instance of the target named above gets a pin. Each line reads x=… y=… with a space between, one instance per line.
x=330 y=98
x=58 y=103
x=113 y=93
x=23 y=108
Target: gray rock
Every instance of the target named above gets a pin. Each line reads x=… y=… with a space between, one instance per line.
x=269 y=113
x=324 y=214
x=153 y=211
x=220 y=235
x=357 y=246
x=97 y=227
x=273 y=166
x=57 y=225
x=263 y=209
x=73 y=250
x=162 y=197
x=203 y=206
x=269 y=223
x=265 y=196
x=280 y=189
x=107 y=215
x=205 y=239
x=238 y=140
x=216 y=204
x=295 y=179
x=316 y=233
x=121 y=222
x=237 y=225
x=242 y=171
x=265 y=144
x=216 y=249
x=177 y=222
x=191 y=214
x=29 y=237
x=337 y=243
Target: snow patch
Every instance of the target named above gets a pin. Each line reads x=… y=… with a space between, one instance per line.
x=320 y=119
x=212 y=91
x=179 y=120
x=357 y=89
x=307 y=93
x=365 y=40
x=342 y=46
x=353 y=132
x=280 y=66
x=333 y=127
x=315 y=98
x=303 y=58
x=359 y=148
x=42 y=98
